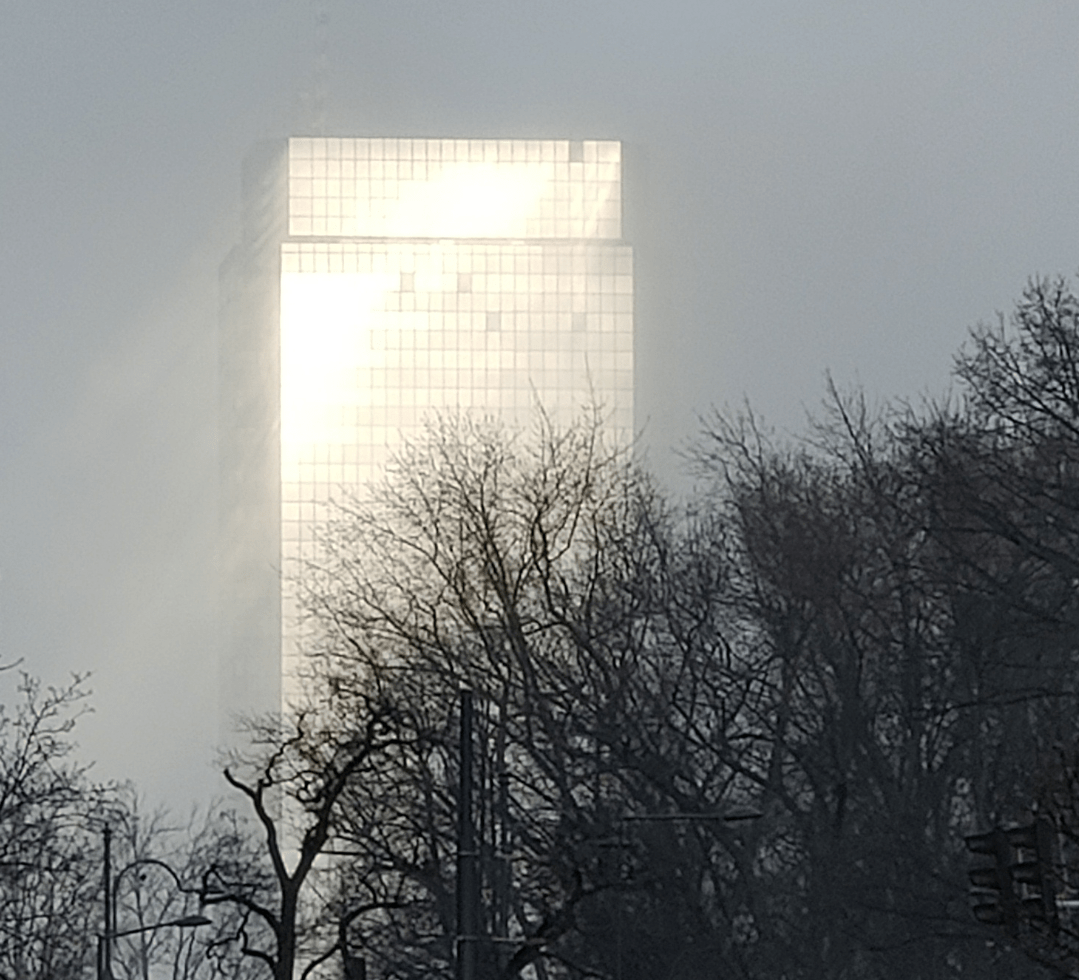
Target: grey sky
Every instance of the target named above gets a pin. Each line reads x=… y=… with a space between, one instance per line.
x=828 y=185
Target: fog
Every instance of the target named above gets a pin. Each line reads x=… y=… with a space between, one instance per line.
x=818 y=186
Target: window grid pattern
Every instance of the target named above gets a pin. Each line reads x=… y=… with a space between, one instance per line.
x=431 y=188
x=393 y=339
x=482 y=276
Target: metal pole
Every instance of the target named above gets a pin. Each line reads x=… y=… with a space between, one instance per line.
x=502 y=862
x=467 y=885
x=105 y=944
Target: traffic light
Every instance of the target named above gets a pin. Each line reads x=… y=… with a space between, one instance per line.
x=1018 y=886
x=993 y=893
x=1034 y=870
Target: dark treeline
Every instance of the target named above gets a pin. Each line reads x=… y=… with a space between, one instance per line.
x=740 y=738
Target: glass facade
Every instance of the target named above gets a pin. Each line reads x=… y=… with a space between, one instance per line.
x=426 y=188
x=382 y=281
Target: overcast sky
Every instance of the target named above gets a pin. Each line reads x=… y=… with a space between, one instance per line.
x=825 y=186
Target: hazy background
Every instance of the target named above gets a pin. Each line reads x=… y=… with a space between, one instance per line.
x=827 y=186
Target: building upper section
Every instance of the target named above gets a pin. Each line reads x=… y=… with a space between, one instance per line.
x=453 y=188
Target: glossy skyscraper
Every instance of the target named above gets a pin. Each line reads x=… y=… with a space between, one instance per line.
x=381 y=281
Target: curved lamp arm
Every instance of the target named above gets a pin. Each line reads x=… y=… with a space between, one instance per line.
x=141 y=861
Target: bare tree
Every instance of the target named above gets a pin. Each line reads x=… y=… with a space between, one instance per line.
x=864 y=640
x=50 y=817
x=917 y=676
x=542 y=571
x=1000 y=472
x=264 y=871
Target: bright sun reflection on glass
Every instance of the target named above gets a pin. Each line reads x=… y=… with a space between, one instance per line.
x=325 y=319
x=469 y=201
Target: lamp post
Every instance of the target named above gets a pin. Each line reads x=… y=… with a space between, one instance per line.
x=468 y=872
x=104 y=969
x=105 y=938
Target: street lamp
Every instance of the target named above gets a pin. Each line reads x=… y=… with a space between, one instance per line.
x=104 y=939
x=104 y=969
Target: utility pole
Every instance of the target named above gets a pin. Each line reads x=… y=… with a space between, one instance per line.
x=503 y=850
x=105 y=946
x=467 y=855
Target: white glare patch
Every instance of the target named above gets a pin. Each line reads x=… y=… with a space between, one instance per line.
x=469 y=201
x=325 y=318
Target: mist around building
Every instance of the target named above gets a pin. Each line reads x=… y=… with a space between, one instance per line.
x=495 y=702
